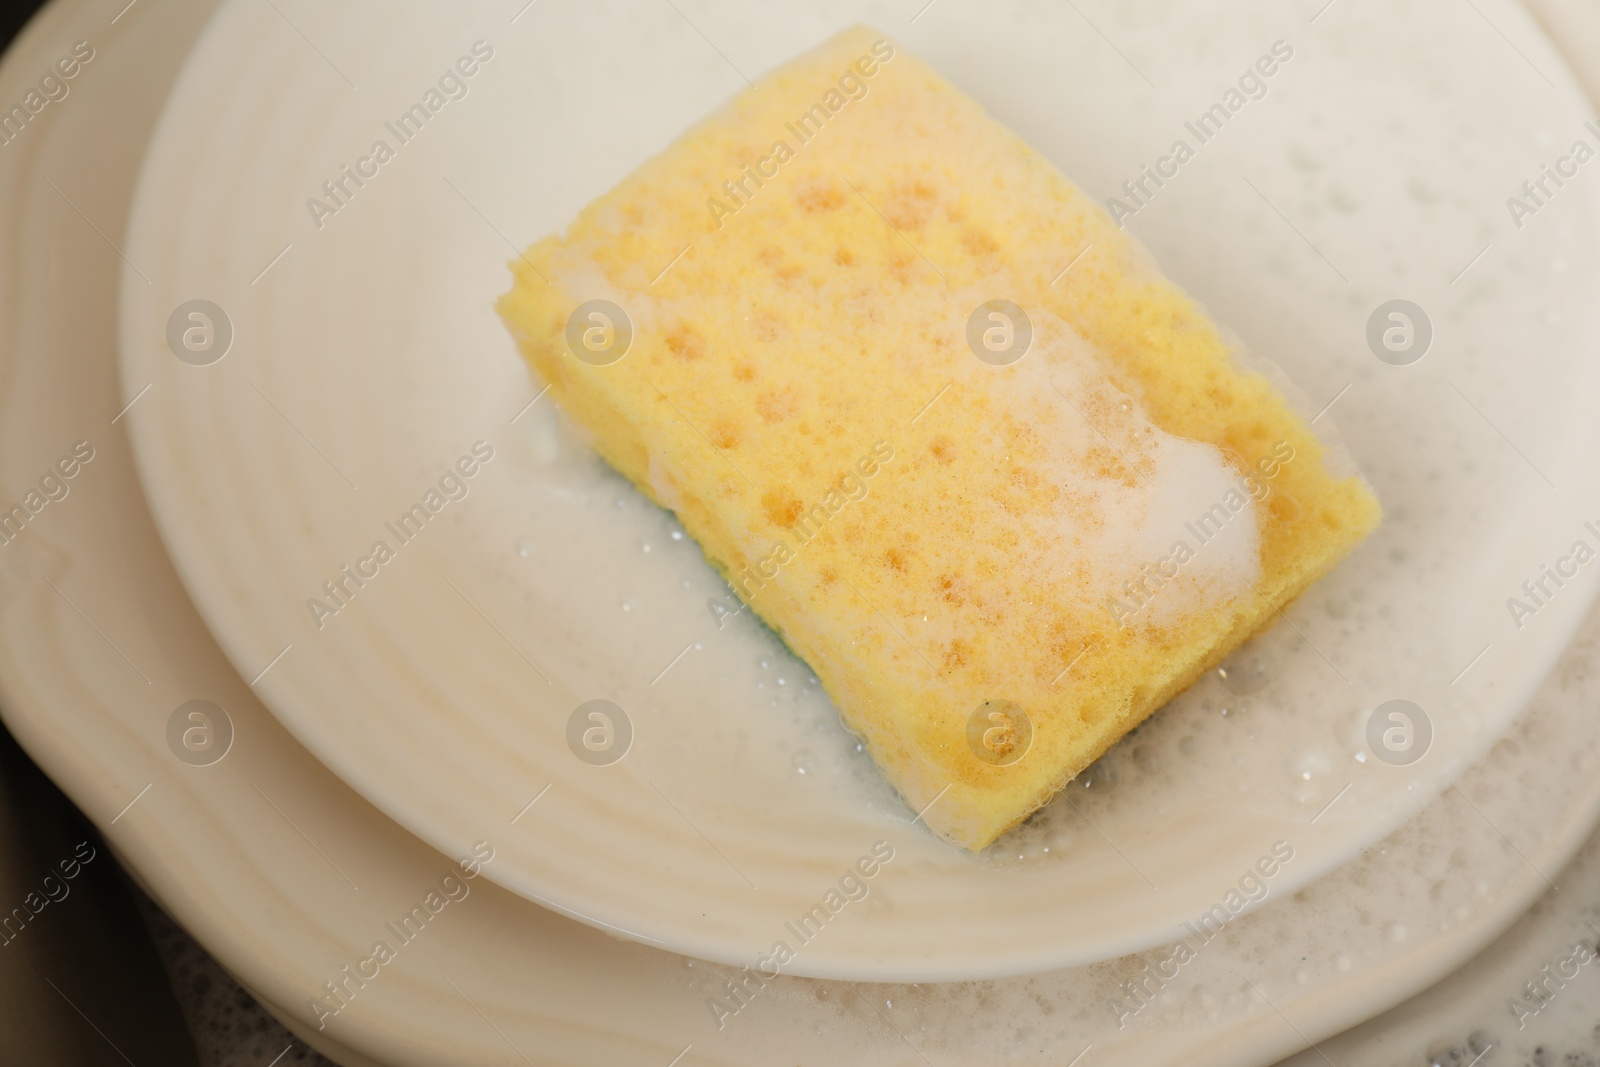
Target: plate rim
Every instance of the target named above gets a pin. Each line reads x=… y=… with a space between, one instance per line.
x=163 y=488
x=52 y=745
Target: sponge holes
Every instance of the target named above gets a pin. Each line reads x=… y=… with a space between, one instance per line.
x=1284 y=507
x=999 y=733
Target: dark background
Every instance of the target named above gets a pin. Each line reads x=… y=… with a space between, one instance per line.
x=13 y=17
x=80 y=980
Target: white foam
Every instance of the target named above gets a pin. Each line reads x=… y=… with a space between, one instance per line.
x=1135 y=531
x=1280 y=734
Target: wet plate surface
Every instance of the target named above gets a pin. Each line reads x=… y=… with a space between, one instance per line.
x=350 y=369
x=288 y=876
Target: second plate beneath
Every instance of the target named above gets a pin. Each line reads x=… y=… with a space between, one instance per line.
x=352 y=361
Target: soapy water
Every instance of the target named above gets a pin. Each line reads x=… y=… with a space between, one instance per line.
x=1427 y=880
x=1280 y=729
x=789 y=711
x=1119 y=529
x=1408 y=887
x=786 y=713
x=1275 y=729
x=1281 y=732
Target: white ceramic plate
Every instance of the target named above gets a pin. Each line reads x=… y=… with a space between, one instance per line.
x=252 y=852
x=364 y=361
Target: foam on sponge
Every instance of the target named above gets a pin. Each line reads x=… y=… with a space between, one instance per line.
x=996 y=568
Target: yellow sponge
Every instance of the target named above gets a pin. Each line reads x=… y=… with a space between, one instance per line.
x=1004 y=509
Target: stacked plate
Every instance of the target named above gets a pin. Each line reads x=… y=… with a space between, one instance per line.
x=249 y=345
